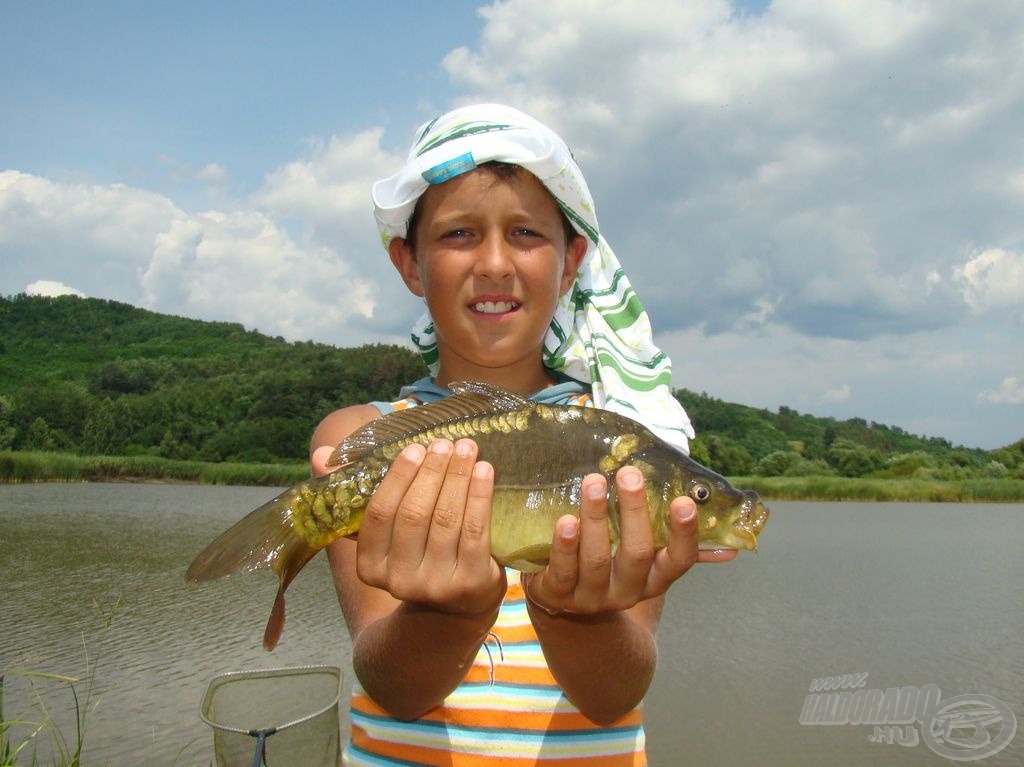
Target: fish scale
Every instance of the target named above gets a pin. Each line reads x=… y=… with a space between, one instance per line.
x=540 y=454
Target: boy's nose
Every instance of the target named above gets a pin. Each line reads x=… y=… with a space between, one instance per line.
x=494 y=258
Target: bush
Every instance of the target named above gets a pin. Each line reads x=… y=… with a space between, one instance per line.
x=786 y=463
x=915 y=464
x=852 y=460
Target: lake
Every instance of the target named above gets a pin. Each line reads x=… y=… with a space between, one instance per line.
x=925 y=599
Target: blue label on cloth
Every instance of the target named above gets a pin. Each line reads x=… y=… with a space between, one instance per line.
x=446 y=170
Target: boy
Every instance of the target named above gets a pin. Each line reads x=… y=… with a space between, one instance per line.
x=457 y=660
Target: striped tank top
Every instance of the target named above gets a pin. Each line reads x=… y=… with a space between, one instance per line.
x=509 y=711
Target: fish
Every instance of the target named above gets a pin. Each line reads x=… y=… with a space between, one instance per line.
x=540 y=454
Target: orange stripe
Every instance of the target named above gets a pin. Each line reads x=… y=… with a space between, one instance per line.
x=506 y=674
x=454 y=759
x=518 y=633
x=540 y=721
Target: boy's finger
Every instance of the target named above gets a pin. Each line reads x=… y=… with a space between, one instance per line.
x=595 y=549
x=553 y=587
x=376 y=529
x=474 y=543
x=319 y=459
x=413 y=516
x=717 y=555
x=449 y=507
x=635 y=554
x=680 y=553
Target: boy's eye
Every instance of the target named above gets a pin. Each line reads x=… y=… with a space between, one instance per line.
x=456 y=233
x=526 y=232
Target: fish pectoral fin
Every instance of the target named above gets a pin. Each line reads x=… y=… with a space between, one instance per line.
x=528 y=559
x=287 y=567
x=275 y=623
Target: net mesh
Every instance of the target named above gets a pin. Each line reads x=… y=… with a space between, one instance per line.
x=301 y=703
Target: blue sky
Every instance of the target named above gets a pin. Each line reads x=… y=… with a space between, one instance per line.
x=820 y=203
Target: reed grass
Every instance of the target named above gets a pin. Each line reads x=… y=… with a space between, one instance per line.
x=33 y=737
x=1002 y=490
x=20 y=466
x=37 y=723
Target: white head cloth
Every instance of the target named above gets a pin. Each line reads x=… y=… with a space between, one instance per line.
x=600 y=333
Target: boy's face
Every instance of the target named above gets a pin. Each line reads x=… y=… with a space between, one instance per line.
x=491 y=260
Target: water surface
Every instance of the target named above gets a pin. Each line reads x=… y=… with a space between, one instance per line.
x=910 y=594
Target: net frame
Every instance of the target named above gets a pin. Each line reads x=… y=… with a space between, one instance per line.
x=235 y=740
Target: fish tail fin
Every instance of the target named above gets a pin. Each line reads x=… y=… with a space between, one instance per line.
x=258 y=541
x=265 y=539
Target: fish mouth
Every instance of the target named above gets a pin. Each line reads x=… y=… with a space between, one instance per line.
x=755 y=513
x=751 y=520
x=744 y=530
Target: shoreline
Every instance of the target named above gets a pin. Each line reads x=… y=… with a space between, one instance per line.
x=18 y=467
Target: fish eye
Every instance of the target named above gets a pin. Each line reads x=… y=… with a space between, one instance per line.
x=700 y=493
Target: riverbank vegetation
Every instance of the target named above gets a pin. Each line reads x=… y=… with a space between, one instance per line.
x=20 y=466
x=99 y=390
x=36 y=735
x=879 y=489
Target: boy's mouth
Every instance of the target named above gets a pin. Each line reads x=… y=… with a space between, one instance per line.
x=495 y=307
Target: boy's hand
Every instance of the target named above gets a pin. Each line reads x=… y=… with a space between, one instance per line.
x=426 y=535
x=584 y=577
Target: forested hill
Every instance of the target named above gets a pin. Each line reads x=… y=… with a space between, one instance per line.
x=101 y=377
x=95 y=376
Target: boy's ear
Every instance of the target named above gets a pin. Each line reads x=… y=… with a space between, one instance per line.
x=405 y=262
x=574 y=253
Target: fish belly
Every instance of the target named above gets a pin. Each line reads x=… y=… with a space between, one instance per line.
x=537 y=476
x=523 y=522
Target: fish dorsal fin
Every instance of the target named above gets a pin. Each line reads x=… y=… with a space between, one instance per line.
x=470 y=399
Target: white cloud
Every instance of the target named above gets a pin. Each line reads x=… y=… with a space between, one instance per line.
x=212 y=173
x=51 y=289
x=923 y=383
x=993 y=280
x=327 y=190
x=242 y=266
x=1009 y=392
x=803 y=140
x=332 y=180
x=128 y=244
x=838 y=394
x=89 y=235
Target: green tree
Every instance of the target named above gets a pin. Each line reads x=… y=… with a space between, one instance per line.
x=853 y=460
x=7 y=428
x=727 y=457
x=699 y=452
x=100 y=434
x=915 y=464
x=39 y=436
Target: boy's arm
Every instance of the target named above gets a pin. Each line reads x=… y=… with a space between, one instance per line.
x=414 y=645
x=596 y=612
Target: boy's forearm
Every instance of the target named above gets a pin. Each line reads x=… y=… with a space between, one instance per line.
x=604 y=663
x=411 y=659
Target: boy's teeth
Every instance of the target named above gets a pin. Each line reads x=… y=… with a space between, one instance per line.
x=494 y=307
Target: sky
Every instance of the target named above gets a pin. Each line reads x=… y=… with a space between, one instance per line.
x=819 y=202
